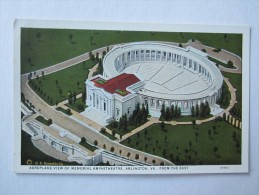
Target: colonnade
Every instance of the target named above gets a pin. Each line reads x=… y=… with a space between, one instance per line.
x=127 y=58
x=99 y=102
x=184 y=105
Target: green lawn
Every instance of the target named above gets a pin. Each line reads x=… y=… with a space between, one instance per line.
x=236 y=81
x=121 y=131
x=108 y=135
x=88 y=146
x=54 y=45
x=42 y=120
x=64 y=111
x=189 y=150
x=63 y=81
x=220 y=62
x=75 y=105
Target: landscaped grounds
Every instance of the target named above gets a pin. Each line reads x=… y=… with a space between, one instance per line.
x=55 y=87
x=209 y=143
x=41 y=48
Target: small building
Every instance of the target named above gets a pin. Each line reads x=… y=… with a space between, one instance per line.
x=112 y=98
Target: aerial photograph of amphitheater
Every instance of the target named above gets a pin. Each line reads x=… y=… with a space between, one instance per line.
x=130 y=98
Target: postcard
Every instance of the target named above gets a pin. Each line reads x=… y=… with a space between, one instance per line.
x=124 y=98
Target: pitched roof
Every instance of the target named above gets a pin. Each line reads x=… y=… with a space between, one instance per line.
x=117 y=84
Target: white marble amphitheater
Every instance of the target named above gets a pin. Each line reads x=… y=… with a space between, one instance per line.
x=165 y=74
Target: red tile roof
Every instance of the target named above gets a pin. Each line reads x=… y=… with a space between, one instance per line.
x=118 y=83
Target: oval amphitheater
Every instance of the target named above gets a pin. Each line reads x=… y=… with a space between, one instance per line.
x=166 y=74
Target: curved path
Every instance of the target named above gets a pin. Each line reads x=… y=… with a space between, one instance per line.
x=81 y=129
x=223 y=56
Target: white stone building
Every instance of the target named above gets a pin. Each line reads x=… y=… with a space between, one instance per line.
x=166 y=74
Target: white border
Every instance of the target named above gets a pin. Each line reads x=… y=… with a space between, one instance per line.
x=245 y=30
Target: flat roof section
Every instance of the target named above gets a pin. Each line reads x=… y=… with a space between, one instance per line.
x=117 y=84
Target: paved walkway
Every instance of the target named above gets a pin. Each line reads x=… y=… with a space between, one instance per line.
x=80 y=129
x=79 y=125
x=223 y=56
x=50 y=151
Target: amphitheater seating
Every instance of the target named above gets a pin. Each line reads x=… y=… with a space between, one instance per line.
x=166 y=73
x=179 y=82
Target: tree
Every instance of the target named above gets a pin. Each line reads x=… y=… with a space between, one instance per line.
x=224 y=117
x=190 y=145
x=137 y=156
x=193 y=111
x=83 y=140
x=42 y=74
x=172 y=112
x=197 y=112
x=167 y=114
x=56 y=83
x=84 y=96
x=70 y=37
x=112 y=149
x=162 y=125
x=60 y=91
x=215 y=149
x=68 y=111
x=193 y=123
x=113 y=133
x=74 y=96
x=230 y=63
x=38 y=36
x=103 y=130
x=214 y=129
x=147 y=109
x=128 y=155
x=209 y=132
x=162 y=112
x=22 y=97
x=97 y=55
x=145 y=159
x=196 y=135
x=49 y=122
x=234 y=135
x=95 y=142
x=145 y=133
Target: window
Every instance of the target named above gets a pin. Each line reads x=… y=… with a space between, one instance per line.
x=190 y=63
x=195 y=65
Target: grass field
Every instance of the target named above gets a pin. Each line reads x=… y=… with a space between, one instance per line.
x=29 y=153
x=75 y=105
x=236 y=81
x=56 y=86
x=179 y=144
x=45 y=47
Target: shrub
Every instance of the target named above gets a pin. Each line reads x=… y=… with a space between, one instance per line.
x=80 y=107
x=49 y=121
x=103 y=130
